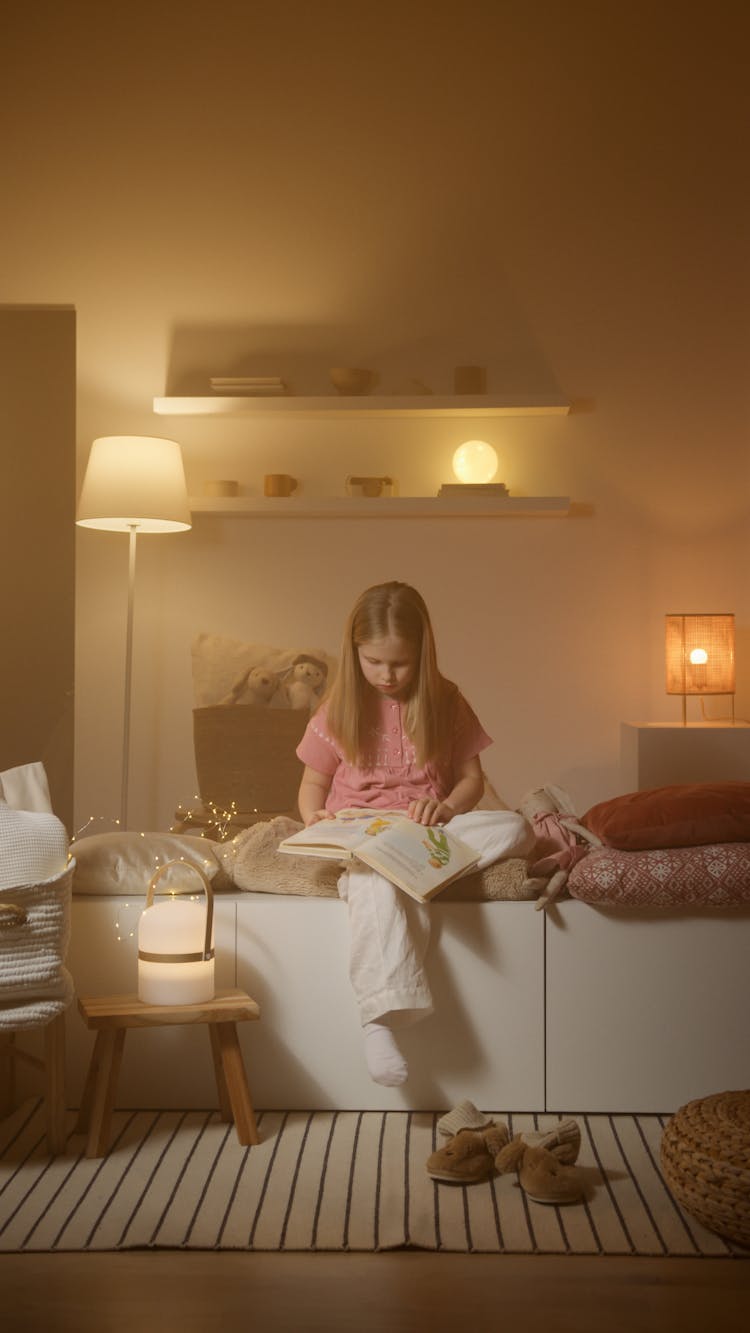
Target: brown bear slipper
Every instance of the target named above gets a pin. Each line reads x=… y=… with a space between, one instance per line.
x=542 y=1176
x=463 y=1116
x=469 y=1157
x=564 y=1140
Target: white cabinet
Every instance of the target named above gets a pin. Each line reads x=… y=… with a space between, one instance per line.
x=658 y=755
x=485 y=1040
x=577 y=1010
x=645 y=1011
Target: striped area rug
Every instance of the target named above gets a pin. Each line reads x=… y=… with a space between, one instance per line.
x=324 y=1180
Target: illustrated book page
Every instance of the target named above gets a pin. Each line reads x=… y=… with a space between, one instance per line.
x=420 y=859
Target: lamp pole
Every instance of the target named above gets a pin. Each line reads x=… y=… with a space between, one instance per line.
x=133 y=533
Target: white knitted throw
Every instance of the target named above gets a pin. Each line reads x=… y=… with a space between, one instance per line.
x=33 y=846
x=34 y=936
x=37 y=1013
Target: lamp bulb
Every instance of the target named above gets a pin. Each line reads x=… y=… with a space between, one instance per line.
x=699 y=657
x=475 y=461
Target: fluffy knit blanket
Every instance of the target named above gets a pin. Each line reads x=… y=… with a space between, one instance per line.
x=252 y=862
x=34 y=935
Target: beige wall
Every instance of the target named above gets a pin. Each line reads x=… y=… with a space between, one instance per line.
x=554 y=190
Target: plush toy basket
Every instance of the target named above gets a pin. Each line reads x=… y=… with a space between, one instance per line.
x=34 y=937
x=705 y=1157
x=245 y=757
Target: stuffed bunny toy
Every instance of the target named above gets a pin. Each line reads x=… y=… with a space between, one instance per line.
x=561 y=839
x=256 y=685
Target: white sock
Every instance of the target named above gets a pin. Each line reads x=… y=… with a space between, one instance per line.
x=385 y=1062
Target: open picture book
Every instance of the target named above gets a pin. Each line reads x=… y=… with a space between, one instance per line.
x=417 y=858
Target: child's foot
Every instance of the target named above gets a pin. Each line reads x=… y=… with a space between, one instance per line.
x=385 y=1062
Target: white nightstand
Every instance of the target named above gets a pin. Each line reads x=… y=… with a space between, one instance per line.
x=656 y=754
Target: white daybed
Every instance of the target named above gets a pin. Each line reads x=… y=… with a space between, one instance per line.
x=604 y=1004
x=630 y=995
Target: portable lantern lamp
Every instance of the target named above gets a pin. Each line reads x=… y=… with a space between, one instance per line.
x=176 y=945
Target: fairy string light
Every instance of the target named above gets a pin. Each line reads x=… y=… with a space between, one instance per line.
x=208 y=819
x=158 y=859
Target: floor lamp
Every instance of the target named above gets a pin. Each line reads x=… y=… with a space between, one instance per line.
x=133 y=484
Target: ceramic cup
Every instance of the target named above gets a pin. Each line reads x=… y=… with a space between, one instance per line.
x=351 y=379
x=220 y=488
x=279 y=483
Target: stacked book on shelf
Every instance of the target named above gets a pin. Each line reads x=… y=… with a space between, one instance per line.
x=469 y=490
x=251 y=385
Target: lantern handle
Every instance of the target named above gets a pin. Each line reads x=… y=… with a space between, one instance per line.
x=188 y=865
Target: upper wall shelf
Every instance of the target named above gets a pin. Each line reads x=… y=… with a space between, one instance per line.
x=407 y=506
x=427 y=405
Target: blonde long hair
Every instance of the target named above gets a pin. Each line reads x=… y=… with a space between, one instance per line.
x=396 y=609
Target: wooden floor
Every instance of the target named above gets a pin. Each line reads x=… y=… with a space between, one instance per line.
x=197 y=1292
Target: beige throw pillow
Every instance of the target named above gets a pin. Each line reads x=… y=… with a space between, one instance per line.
x=124 y=863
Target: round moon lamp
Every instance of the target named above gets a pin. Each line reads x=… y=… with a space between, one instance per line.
x=475 y=462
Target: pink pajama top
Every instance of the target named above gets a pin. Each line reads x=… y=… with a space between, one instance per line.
x=394 y=779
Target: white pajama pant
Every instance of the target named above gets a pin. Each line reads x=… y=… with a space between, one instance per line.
x=389 y=931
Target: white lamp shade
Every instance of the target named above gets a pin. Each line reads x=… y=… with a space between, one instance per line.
x=134 y=481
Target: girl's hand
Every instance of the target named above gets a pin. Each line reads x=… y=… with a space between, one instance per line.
x=429 y=811
x=317 y=815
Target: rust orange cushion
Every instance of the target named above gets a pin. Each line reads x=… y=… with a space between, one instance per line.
x=685 y=815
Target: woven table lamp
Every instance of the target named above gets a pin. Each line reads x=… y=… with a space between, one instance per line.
x=700 y=656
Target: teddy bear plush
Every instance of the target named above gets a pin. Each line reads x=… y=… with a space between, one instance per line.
x=256 y=685
x=304 y=682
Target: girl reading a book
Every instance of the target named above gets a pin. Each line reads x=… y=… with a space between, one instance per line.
x=392 y=733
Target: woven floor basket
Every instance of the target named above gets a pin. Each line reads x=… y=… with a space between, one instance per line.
x=705 y=1157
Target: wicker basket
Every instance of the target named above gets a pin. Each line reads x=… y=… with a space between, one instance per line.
x=705 y=1157
x=246 y=756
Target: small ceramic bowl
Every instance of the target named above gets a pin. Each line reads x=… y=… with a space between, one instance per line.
x=350 y=379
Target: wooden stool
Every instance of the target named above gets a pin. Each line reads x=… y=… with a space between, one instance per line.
x=110 y=1016
x=52 y=1063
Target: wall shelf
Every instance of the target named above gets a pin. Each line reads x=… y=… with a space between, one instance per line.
x=408 y=506
x=427 y=405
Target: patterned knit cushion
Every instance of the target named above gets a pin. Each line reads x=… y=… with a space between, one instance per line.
x=33 y=847
x=717 y=875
